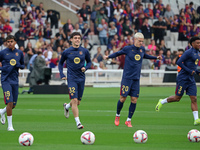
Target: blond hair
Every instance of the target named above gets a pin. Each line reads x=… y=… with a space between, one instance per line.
x=139 y=35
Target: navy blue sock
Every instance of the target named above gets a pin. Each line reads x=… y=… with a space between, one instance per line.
x=119 y=106
x=131 y=110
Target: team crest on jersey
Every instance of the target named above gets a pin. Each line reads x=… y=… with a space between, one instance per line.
x=77 y=60
x=132 y=50
x=137 y=57
x=17 y=54
x=12 y=62
x=81 y=53
x=141 y=50
x=72 y=94
x=196 y=62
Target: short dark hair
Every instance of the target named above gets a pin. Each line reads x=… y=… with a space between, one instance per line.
x=9 y=37
x=74 y=34
x=194 y=39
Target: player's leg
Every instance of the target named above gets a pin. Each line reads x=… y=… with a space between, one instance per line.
x=134 y=93
x=192 y=92
x=124 y=91
x=81 y=85
x=72 y=86
x=176 y=98
x=8 y=97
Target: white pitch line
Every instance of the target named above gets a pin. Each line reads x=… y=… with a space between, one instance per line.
x=101 y=111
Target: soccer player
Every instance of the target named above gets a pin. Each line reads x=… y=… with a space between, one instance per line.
x=185 y=80
x=12 y=60
x=130 y=84
x=75 y=57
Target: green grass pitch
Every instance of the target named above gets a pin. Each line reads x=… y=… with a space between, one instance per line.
x=42 y=116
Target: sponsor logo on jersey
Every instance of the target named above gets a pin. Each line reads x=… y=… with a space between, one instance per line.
x=81 y=53
x=77 y=60
x=8 y=54
x=137 y=57
x=196 y=62
x=17 y=54
x=12 y=62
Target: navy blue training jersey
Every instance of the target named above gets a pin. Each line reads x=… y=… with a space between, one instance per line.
x=11 y=61
x=188 y=63
x=133 y=60
x=75 y=59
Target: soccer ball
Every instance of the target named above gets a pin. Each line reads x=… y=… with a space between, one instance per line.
x=26 y=139
x=140 y=136
x=88 y=138
x=193 y=135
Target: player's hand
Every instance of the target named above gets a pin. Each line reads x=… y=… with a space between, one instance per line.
x=159 y=57
x=83 y=69
x=193 y=72
x=105 y=57
x=64 y=78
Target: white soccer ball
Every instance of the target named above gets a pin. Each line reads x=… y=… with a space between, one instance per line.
x=88 y=138
x=193 y=135
x=140 y=136
x=26 y=139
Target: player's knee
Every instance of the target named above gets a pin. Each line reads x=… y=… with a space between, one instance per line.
x=133 y=100
x=75 y=101
x=122 y=99
x=194 y=99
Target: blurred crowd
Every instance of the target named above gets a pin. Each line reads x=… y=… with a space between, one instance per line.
x=113 y=22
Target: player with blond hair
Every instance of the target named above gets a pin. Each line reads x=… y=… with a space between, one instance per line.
x=130 y=84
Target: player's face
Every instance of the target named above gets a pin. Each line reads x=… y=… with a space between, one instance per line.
x=139 y=42
x=11 y=43
x=196 y=44
x=76 y=41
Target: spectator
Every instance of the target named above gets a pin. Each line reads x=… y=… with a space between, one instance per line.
x=86 y=31
x=120 y=27
x=102 y=66
x=3 y=46
x=39 y=20
x=195 y=17
x=174 y=29
x=101 y=16
x=54 y=60
x=98 y=55
x=111 y=44
x=39 y=43
x=68 y=27
x=7 y=28
x=159 y=29
x=148 y=12
x=2 y=38
x=5 y=14
x=168 y=16
x=118 y=11
x=54 y=18
x=47 y=31
x=109 y=10
x=41 y=9
x=127 y=28
x=20 y=36
x=61 y=34
x=83 y=13
x=139 y=22
x=111 y=31
x=163 y=47
x=88 y=7
x=147 y=63
x=168 y=58
x=29 y=50
x=26 y=59
x=161 y=7
x=29 y=8
x=152 y=46
x=80 y=23
x=76 y=29
x=102 y=28
x=156 y=11
x=146 y=31
x=137 y=4
x=22 y=3
x=39 y=31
